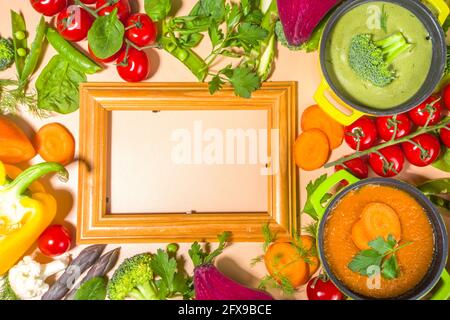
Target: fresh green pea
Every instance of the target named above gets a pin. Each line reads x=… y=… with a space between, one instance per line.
x=20 y=35
x=18 y=25
x=32 y=59
x=171 y=46
x=183 y=54
x=22 y=52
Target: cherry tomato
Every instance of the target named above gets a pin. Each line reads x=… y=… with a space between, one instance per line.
x=322 y=289
x=445 y=136
x=423 y=151
x=107 y=6
x=387 y=162
x=107 y=60
x=386 y=126
x=362 y=133
x=358 y=167
x=141 y=30
x=134 y=66
x=49 y=7
x=73 y=23
x=88 y=1
x=446 y=96
x=430 y=108
x=54 y=241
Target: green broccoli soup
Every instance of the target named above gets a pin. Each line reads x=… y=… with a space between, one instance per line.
x=378 y=55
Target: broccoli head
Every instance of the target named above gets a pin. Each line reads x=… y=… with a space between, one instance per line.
x=133 y=278
x=371 y=60
x=6 y=54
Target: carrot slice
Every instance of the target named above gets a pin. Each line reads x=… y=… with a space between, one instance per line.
x=55 y=143
x=311 y=149
x=379 y=219
x=283 y=261
x=15 y=147
x=359 y=236
x=309 y=244
x=315 y=118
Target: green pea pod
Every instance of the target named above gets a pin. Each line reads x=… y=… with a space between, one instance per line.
x=32 y=58
x=18 y=25
x=76 y=58
x=435 y=187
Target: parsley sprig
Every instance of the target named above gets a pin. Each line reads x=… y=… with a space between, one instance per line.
x=382 y=255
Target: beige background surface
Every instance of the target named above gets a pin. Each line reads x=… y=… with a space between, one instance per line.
x=297 y=66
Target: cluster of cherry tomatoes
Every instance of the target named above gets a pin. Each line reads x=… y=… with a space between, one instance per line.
x=422 y=150
x=73 y=23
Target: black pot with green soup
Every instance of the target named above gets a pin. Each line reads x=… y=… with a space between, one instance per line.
x=381 y=57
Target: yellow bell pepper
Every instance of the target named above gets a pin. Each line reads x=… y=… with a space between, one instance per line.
x=26 y=210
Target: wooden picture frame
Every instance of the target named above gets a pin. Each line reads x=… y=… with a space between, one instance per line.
x=95 y=225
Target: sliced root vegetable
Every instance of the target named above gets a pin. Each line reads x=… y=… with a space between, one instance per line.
x=379 y=219
x=55 y=143
x=315 y=118
x=15 y=147
x=311 y=149
x=359 y=236
x=283 y=261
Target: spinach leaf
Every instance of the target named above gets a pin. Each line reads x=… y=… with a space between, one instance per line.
x=443 y=162
x=57 y=86
x=93 y=289
x=106 y=35
x=157 y=9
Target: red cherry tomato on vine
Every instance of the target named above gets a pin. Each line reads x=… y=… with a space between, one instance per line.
x=430 y=108
x=88 y=1
x=73 y=23
x=446 y=96
x=54 y=241
x=133 y=66
x=445 y=136
x=423 y=150
x=107 y=6
x=362 y=133
x=320 y=289
x=358 y=167
x=107 y=60
x=49 y=7
x=386 y=126
x=141 y=30
x=387 y=162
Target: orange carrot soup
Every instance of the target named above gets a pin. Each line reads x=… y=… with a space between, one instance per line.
x=374 y=218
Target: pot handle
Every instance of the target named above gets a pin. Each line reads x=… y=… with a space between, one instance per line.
x=316 y=197
x=442 y=9
x=443 y=293
x=323 y=102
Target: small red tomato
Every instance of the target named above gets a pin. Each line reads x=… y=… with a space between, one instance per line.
x=107 y=60
x=387 y=162
x=141 y=30
x=358 y=167
x=386 y=126
x=88 y=1
x=105 y=7
x=445 y=136
x=54 y=241
x=423 y=150
x=320 y=289
x=48 y=7
x=446 y=96
x=133 y=66
x=361 y=134
x=73 y=23
x=430 y=109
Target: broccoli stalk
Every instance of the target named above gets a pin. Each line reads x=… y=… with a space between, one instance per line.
x=371 y=60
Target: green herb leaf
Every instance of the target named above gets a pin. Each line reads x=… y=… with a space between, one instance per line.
x=215 y=84
x=215 y=34
x=166 y=268
x=365 y=259
x=106 y=35
x=269 y=237
x=251 y=33
x=200 y=257
x=244 y=81
x=93 y=289
x=157 y=9
x=381 y=246
x=390 y=269
x=210 y=8
x=310 y=188
x=233 y=17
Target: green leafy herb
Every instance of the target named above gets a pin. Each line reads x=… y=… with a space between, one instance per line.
x=244 y=81
x=446 y=25
x=200 y=256
x=381 y=255
x=437 y=191
x=310 y=188
x=106 y=35
x=157 y=9
x=311 y=229
x=269 y=237
x=93 y=289
x=57 y=86
x=383 y=19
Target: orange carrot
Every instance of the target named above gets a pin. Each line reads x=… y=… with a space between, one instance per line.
x=315 y=118
x=55 y=143
x=309 y=243
x=283 y=261
x=359 y=236
x=379 y=219
x=15 y=147
x=311 y=149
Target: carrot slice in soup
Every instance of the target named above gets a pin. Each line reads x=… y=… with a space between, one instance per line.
x=359 y=236
x=311 y=150
x=379 y=219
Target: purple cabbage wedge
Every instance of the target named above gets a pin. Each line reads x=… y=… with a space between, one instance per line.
x=211 y=284
x=301 y=17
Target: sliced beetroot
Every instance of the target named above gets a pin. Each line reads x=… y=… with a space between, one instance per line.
x=301 y=17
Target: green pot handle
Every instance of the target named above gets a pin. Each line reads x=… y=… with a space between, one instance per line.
x=323 y=189
x=443 y=293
